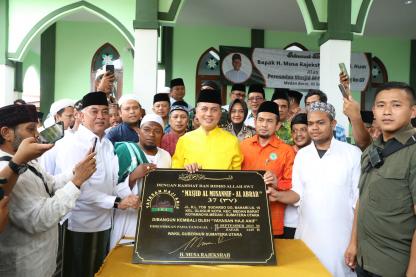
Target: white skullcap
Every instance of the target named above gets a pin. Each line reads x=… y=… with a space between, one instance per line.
x=164 y=90
x=153 y=118
x=126 y=97
x=61 y=104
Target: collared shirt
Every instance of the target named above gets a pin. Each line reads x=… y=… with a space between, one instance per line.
x=122 y=132
x=277 y=157
x=244 y=133
x=386 y=218
x=250 y=119
x=285 y=133
x=328 y=190
x=93 y=209
x=29 y=244
x=169 y=142
x=216 y=150
x=236 y=76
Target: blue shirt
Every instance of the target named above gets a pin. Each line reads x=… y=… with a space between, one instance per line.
x=122 y=132
x=339 y=133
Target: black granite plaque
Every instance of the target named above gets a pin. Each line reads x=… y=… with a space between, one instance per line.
x=209 y=217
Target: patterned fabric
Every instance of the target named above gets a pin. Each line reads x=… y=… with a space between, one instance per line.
x=245 y=132
x=285 y=133
x=322 y=107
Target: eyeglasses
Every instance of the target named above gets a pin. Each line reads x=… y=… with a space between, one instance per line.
x=257 y=98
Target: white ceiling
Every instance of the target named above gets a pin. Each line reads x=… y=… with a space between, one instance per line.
x=386 y=17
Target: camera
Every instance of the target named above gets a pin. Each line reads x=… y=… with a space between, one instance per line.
x=376 y=157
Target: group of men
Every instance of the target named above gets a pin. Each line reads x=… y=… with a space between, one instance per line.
x=355 y=211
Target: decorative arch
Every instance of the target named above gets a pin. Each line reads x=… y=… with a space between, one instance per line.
x=208 y=68
x=296 y=44
x=54 y=16
x=108 y=54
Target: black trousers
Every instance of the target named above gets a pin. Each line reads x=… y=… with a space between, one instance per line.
x=361 y=272
x=288 y=233
x=84 y=253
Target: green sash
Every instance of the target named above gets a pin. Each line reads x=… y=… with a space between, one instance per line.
x=130 y=156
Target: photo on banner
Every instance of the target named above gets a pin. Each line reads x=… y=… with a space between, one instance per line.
x=277 y=68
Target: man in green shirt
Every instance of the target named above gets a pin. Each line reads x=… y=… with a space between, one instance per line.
x=383 y=240
x=283 y=131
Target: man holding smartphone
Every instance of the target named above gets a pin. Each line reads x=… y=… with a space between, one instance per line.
x=89 y=224
x=28 y=245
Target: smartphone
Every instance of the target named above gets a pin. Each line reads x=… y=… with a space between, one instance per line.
x=343 y=91
x=110 y=67
x=52 y=134
x=94 y=144
x=343 y=69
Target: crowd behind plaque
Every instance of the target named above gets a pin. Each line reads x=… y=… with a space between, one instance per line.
x=65 y=204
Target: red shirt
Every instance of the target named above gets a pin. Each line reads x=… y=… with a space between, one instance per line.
x=169 y=142
x=277 y=157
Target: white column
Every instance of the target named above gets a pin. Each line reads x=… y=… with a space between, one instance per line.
x=145 y=66
x=332 y=53
x=6 y=85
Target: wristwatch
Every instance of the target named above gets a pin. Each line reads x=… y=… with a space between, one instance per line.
x=117 y=202
x=17 y=168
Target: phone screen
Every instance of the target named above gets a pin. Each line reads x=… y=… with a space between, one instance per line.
x=52 y=134
x=343 y=68
x=110 y=67
x=95 y=144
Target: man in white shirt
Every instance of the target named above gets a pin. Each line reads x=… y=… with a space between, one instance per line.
x=137 y=160
x=89 y=224
x=325 y=176
x=236 y=75
x=28 y=245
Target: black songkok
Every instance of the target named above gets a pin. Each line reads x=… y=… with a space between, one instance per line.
x=280 y=93
x=176 y=82
x=13 y=115
x=94 y=98
x=256 y=88
x=270 y=107
x=239 y=87
x=367 y=116
x=160 y=97
x=300 y=118
x=209 y=96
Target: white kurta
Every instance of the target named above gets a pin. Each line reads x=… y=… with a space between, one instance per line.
x=29 y=244
x=328 y=190
x=125 y=221
x=94 y=208
x=48 y=160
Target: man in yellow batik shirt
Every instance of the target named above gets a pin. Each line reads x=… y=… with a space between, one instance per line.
x=208 y=147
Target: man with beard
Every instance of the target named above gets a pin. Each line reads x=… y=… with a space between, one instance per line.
x=255 y=98
x=89 y=223
x=325 y=177
x=208 y=147
x=137 y=160
x=265 y=151
x=130 y=113
x=178 y=122
x=28 y=245
x=281 y=98
x=301 y=138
